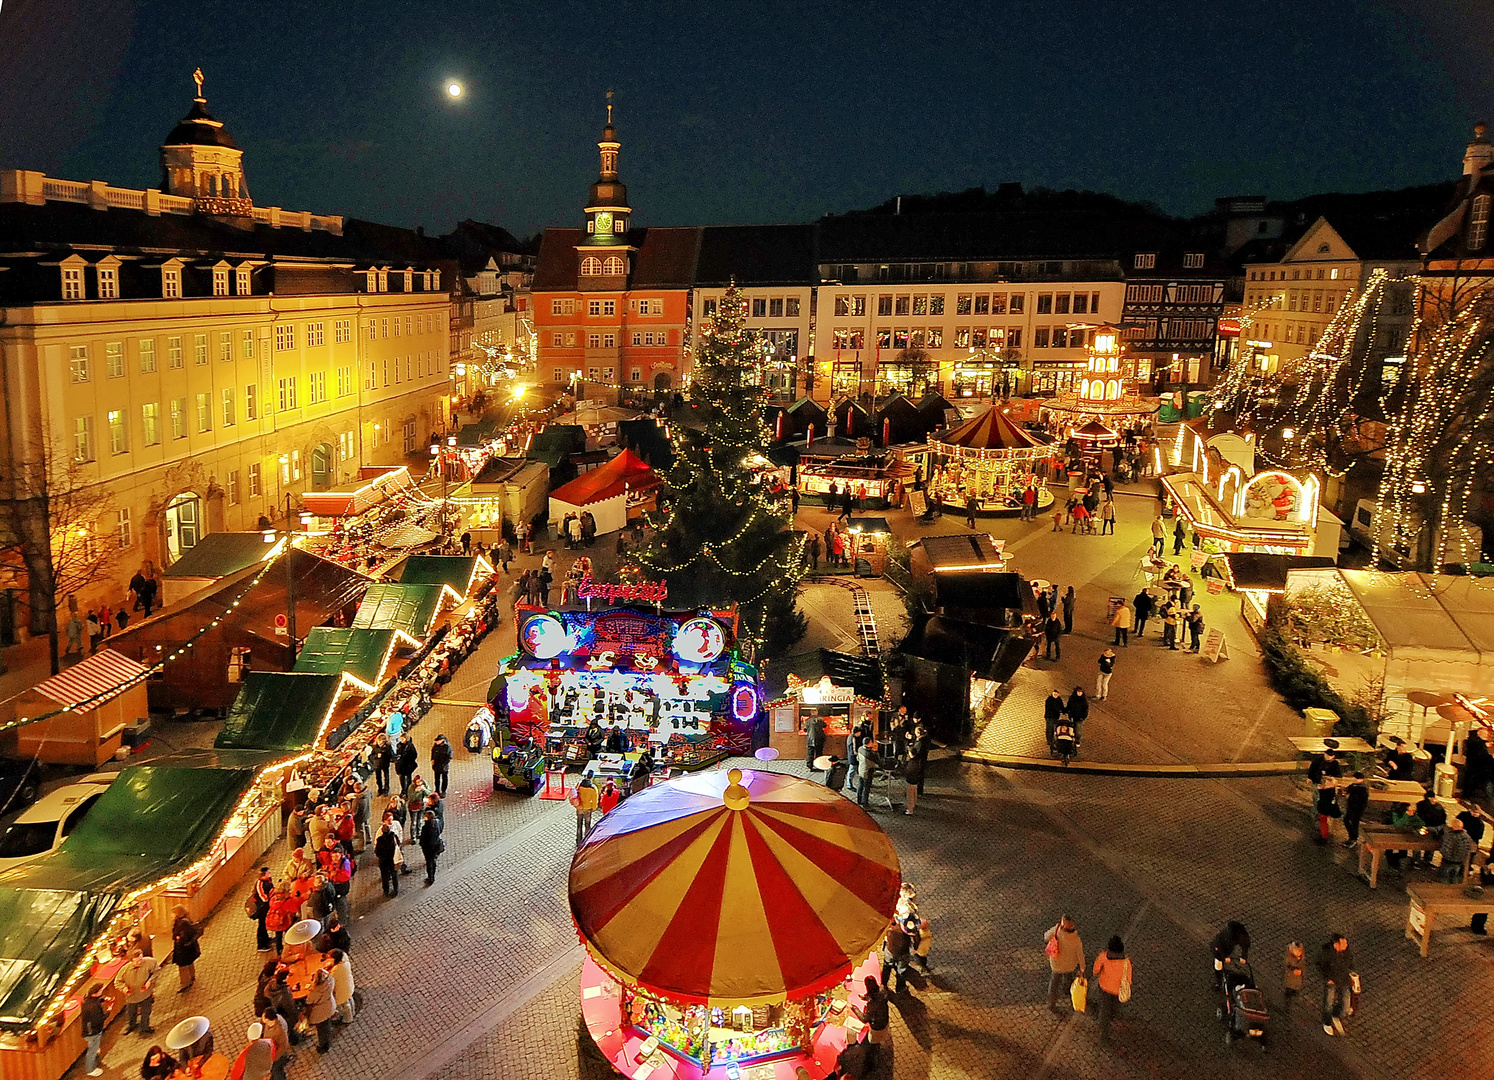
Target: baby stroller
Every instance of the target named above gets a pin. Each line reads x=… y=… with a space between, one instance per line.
x=1065 y=743
x=1244 y=1007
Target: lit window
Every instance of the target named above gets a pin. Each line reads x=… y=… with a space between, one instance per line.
x=108 y=283
x=229 y=413
x=78 y=363
x=591 y=266
x=150 y=423
x=118 y=439
x=72 y=283
x=204 y=413
x=83 y=438
x=178 y=418
x=124 y=530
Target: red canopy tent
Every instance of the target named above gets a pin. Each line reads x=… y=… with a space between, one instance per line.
x=604 y=491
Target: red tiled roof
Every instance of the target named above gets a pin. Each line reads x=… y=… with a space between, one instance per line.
x=665 y=259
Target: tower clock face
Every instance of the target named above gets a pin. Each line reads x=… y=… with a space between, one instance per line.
x=604 y=222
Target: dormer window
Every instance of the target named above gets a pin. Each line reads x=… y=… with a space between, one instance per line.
x=72 y=283
x=220 y=281
x=383 y=281
x=242 y=284
x=1478 y=223
x=171 y=282
x=1145 y=261
x=373 y=281
x=1193 y=260
x=108 y=282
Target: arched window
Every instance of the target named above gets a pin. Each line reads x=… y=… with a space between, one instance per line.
x=615 y=267
x=609 y=161
x=591 y=266
x=1112 y=389
x=1478 y=224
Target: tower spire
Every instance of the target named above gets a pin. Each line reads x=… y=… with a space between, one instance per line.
x=197 y=78
x=609 y=103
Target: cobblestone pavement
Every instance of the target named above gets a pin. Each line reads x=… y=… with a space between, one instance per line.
x=476 y=976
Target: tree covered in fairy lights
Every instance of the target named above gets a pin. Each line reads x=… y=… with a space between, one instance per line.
x=723 y=537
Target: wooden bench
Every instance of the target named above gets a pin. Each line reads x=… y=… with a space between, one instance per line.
x=1376 y=840
x=1431 y=900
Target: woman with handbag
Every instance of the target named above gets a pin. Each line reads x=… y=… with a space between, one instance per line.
x=1065 y=952
x=184 y=947
x=1113 y=976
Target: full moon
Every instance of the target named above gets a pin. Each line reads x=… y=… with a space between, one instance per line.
x=454 y=89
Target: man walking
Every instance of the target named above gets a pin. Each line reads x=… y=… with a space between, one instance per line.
x=1179 y=534
x=970 y=504
x=1065 y=952
x=1158 y=536
x=1107 y=517
x=866 y=768
x=1107 y=668
x=584 y=799
x=1355 y=803
x=1029 y=503
x=1068 y=610
x=1195 y=623
x=1336 y=965
x=441 y=763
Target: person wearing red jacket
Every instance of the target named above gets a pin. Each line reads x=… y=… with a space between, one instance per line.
x=610 y=797
x=338 y=868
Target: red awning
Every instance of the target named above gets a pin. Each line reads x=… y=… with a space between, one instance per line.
x=627 y=470
x=95 y=680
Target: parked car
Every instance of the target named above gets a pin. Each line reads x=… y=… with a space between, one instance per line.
x=42 y=828
x=20 y=782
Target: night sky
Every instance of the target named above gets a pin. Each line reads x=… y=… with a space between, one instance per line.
x=751 y=112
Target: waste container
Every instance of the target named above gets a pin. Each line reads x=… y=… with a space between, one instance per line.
x=1318 y=723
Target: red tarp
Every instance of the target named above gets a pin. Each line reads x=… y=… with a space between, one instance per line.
x=625 y=470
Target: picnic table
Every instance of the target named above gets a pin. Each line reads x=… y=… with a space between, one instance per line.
x=1393 y=791
x=302 y=973
x=1313 y=744
x=1376 y=840
x=1431 y=900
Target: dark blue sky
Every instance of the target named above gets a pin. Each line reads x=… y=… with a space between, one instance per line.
x=752 y=112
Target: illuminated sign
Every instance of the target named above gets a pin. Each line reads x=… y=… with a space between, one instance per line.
x=699 y=641
x=544 y=636
x=744 y=703
x=654 y=592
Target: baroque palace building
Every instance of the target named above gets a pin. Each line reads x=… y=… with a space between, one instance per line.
x=202 y=357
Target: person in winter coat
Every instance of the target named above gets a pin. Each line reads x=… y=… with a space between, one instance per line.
x=1233 y=936
x=137 y=981
x=1293 y=962
x=264 y=889
x=285 y=1003
x=876 y=1015
x=1107 y=668
x=1052 y=632
x=158 y=1064
x=1053 y=707
x=897 y=954
x=415 y=796
x=94 y=1020
x=431 y=845
x=1179 y=535
x=1356 y=802
x=609 y=798
x=320 y=1009
x=1194 y=621
x=1067 y=603
x=1159 y=534
x=867 y=761
x=1065 y=959
x=1327 y=808
x=1143 y=604
x=1336 y=966
x=284 y=911
x=1107 y=517
x=406 y=761
x=1112 y=968
x=257 y=1059
x=912 y=781
x=386 y=848
x=337 y=868
x=342 y=985
x=1456 y=847
x=1122 y=620
x=381 y=759
x=441 y=763
x=814 y=739
x=1078 y=710
x=184 y=947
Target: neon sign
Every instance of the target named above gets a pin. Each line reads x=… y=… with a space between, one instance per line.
x=744 y=703
x=653 y=592
x=699 y=641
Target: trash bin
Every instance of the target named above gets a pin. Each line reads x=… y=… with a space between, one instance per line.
x=1446 y=786
x=1318 y=723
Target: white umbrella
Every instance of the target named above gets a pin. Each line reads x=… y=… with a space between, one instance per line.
x=187 y=1032
x=304 y=931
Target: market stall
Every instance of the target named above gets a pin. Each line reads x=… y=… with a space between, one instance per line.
x=620 y=489
x=672 y=680
x=849 y=691
x=832 y=466
x=727 y=917
x=868 y=549
x=361 y=656
x=1259 y=578
x=348 y=502
x=506 y=492
x=990 y=458
x=91 y=704
x=1429 y=632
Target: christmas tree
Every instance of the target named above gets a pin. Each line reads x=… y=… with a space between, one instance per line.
x=724 y=538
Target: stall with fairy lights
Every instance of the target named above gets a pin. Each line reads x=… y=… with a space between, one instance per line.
x=849 y=691
x=673 y=681
x=828 y=468
x=729 y=919
x=1234 y=507
x=990 y=458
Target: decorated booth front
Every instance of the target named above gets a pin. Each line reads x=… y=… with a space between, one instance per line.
x=674 y=681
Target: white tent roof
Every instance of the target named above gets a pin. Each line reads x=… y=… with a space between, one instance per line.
x=1428 y=616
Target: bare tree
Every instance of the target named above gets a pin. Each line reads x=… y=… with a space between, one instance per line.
x=50 y=530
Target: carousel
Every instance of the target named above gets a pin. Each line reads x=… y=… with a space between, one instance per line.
x=1104 y=401
x=729 y=920
x=988 y=457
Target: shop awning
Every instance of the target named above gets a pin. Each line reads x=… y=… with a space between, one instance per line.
x=455 y=571
x=780 y=897
x=869 y=525
x=279 y=710
x=1268 y=573
x=345 y=501
x=101 y=677
x=409 y=608
x=336 y=650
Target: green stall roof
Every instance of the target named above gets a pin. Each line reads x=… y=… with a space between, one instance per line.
x=279 y=710
x=410 y=608
x=453 y=570
x=475 y=434
x=332 y=650
x=217 y=555
x=43 y=932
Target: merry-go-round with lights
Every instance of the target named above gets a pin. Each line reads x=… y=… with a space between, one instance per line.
x=729 y=919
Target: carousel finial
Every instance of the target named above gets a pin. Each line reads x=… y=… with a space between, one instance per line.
x=735 y=797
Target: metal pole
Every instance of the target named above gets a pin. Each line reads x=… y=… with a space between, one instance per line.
x=290 y=578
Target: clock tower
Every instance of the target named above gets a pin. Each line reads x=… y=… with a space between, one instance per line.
x=604 y=251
